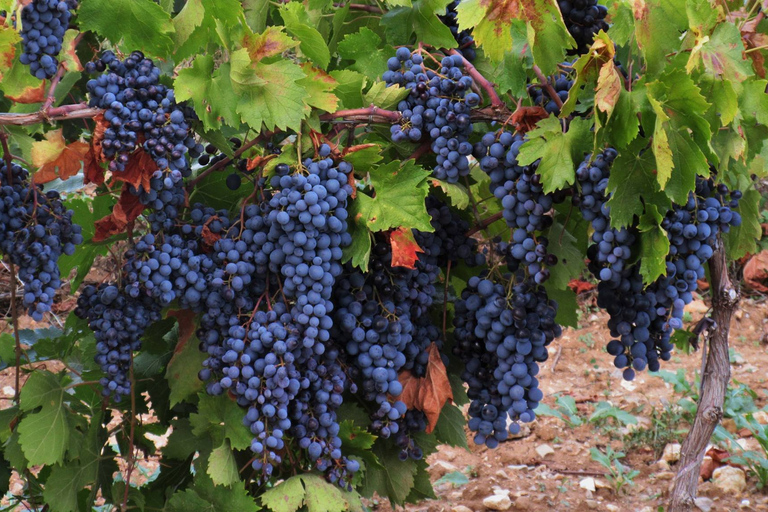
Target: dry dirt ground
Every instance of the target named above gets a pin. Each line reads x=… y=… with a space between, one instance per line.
x=579 y=366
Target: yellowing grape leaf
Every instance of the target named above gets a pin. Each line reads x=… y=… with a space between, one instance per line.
x=54 y=154
x=8 y=40
x=405 y=249
x=273 y=41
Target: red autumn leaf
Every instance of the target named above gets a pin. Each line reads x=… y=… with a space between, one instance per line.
x=578 y=286
x=186 y=319
x=756 y=272
x=94 y=173
x=429 y=393
x=98 y=137
x=52 y=154
x=708 y=467
x=126 y=210
x=404 y=248
x=524 y=119
x=208 y=236
x=138 y=170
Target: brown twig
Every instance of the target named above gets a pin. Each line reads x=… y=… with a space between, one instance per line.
x=12 y=267
x=420 y=151
x=485 y=223
x=547 y=86
x=226 y=161
x=557 y=358
x=479 y=79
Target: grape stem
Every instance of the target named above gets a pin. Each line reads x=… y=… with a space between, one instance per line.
x=714 y=382
x=131 y=456
x=14 y=312
x=547 y=86
x=226 y=161
x=480 y=80
x=484 y=223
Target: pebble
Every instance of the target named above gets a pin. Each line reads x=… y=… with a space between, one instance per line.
x=592 y=504
x=9 y=391
x=544 y=449
x=729 y=479
x=671 y=453
x=704 y=504
x=761 y=417
x=744 y=504
x=629 y=386
x=497 y=502
x=612 y=508
x=523 y=503
x=461 y=508
x=588 y=484
x=440 y=468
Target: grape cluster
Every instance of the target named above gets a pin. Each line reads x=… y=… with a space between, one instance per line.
x=137 y=106
x=437 y=106
x=448 y=241
x=642 y=319
x=525 y=204
x=35 y=230
x=561 y=83
x=502 y=339
x=43 y=24
x=583 y=19
x=118 y=323
x=464 y=40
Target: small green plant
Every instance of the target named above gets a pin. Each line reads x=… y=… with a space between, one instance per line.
x=619 y=476
x=604 y=411
x=664 y=429
x=565 y=410
x=755 y=461
x=588 y=340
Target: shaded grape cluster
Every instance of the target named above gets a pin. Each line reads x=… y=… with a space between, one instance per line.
x=583 y=19
x=437 y=109
x=139 y=108
x=642 y=319
x=526 y=206
x=36 y=229
x=43 y=24
x=502 y=337
x=464 y=40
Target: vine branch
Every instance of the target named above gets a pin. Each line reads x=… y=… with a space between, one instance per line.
x=480 y=80
x=714 y=382
x=547 y=86
x=62 y=113
x=221 y=164
x=12 y=267
x=484 y=223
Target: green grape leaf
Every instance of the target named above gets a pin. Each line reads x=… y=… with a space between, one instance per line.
x=359 y=251
x=392 y=478
x=725 y=101
x=207 y=497
x=349 y=87
x=400 y=189
x=754 y=101
x=622 y=126
x=654 y=245
x=85 y=254
x=5 y=475
x=222 y=467
x=449 y=428
x=384 y=97
x=422 y=485
x=631 y=182
x=567 y=306
x=222 y=418
x=559 y=152
x=742 y=240
x=322 y=496
x=182 y=442
x=622 y=22
x=363 y=48
x=270 y=95
x=722 y=55
x=181 y=372
x=286 y=497
x=568 y=243
x=318 y=85
x=658 y=24
x=210 y=90
x=456 y=192
x=298 y=24
x=428 y=27
x=44 y=436
x=137 y=24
